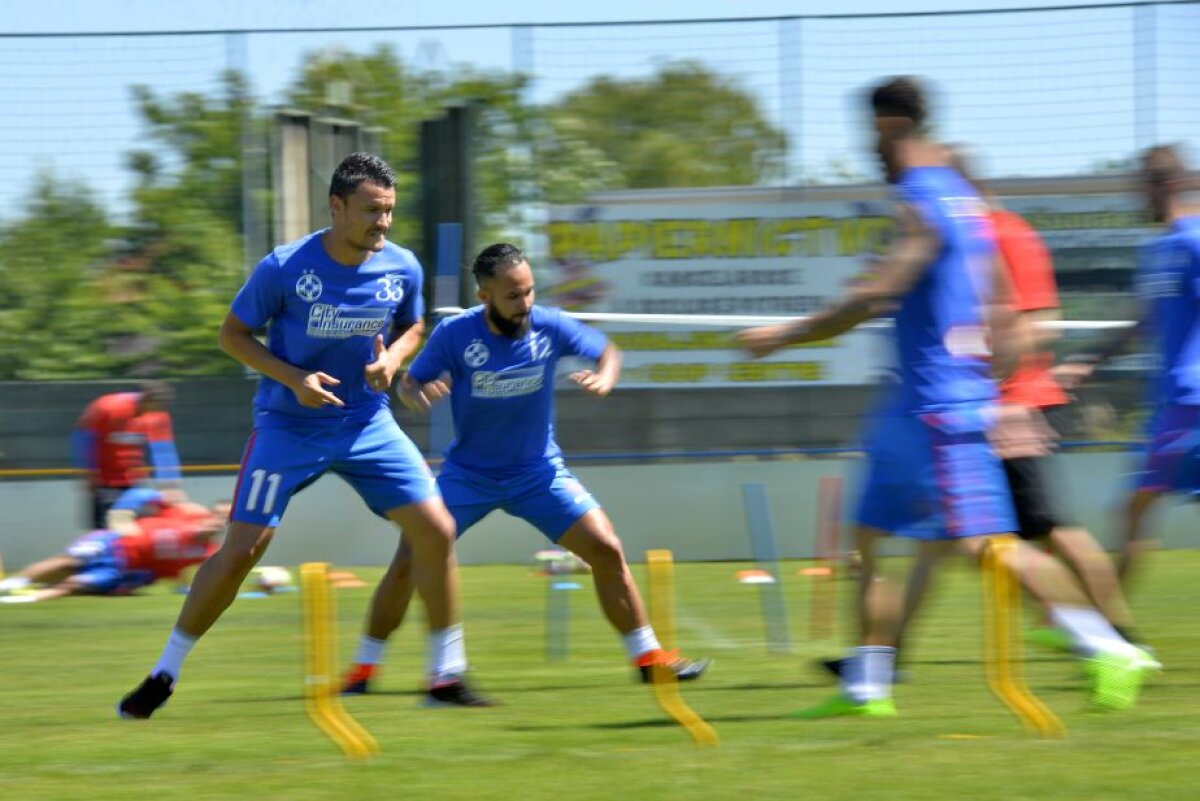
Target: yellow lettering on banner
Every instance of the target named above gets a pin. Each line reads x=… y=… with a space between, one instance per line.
x=676 y=239
x=1084 y=220
x=677 y=373
x=862 y=235
x=562 y=243
x=690 y=340
x=749 y=372
x=635 y=236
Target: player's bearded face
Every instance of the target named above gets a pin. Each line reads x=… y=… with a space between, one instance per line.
x=508 y=298
x=364 y=217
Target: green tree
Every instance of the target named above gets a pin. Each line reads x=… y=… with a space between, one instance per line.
x=198 y=147
x=182 y=257
x=53 y=317
x=684 y=126
x=377 y=89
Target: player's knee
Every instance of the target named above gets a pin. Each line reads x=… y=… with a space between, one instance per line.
x=243 y=547
x=401 y=566
x=604 y=553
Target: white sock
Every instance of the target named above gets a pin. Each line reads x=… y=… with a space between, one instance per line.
x=179 y=645
x=640 y=641
x=1090 y=632
x=370 y=651
x=447 y=653
x=13 y=583
x=868 y=674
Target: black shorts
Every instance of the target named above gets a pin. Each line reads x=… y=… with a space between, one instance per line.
x=102 y=500
x=1032 y=495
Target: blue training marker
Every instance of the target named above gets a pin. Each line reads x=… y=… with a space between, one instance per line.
x=766 y=555
x=558 y=618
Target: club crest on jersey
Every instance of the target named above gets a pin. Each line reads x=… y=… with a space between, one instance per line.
x=308 y=286
x=476 y=354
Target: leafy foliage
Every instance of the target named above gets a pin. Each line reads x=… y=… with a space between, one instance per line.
x=146 y=296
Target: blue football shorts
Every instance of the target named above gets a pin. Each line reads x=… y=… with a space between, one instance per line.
x=283 y=457
x=1171 y=461
x=548 y=497
x=102 y=567
x=933 y=475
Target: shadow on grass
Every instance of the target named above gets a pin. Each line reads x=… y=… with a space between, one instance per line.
x=648 y=723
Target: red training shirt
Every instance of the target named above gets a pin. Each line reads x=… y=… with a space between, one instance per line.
x=120 y=437
x=1034 y=289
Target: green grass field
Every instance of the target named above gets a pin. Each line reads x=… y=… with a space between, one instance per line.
x=580 y=729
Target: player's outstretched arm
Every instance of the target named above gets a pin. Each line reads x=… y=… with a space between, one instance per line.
x=1079 y=367
x=237 y=339
x=872 y=294
x=608 y=370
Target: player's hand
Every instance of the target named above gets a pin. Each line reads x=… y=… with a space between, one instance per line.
x=311 y=391
x=421 y=397
x=1071 y=374
x=381 y=372
x=761 y=341
x=1020 y=432
x=593 y=382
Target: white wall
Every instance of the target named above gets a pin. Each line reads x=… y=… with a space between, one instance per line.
x=695 y=509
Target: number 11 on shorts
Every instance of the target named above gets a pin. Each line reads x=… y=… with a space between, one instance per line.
x=256 y=482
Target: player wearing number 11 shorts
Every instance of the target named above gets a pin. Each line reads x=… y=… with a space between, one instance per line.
x=344 y=310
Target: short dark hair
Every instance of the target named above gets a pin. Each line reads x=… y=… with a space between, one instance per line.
x=495 y=257
x=902 y=96
x=159 y=393
x=1163 y=164
x=357 y=168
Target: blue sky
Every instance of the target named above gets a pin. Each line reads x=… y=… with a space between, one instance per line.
x=1039 y=94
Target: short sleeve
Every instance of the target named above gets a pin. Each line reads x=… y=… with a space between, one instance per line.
x=1193 y=262
x=577 y=339
x=1029 y=264
x=434 y=358
x=261 y=298
x=412 y=305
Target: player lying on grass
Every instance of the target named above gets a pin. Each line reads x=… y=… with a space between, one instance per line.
x=149 y=538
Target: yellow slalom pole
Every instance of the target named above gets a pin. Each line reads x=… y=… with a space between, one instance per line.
x=322 y=700
x=1002 y=648
x=662 y=617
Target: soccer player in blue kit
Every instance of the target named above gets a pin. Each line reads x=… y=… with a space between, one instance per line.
x=1167 y=286
x=500 y=359
x=931 y=474
x=344 y=307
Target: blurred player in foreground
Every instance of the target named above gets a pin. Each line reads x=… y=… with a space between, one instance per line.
x=111 y=439
x=148 y=539
x=931 y=471
x=500 y=358
x=1022 y=437
x=344 y=307
x=1168 y=311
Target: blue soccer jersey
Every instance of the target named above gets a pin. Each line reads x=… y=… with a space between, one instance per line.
x=324 y=317
x=1168 y=283
x=941 y=334
x=931 y=472
x=502 y=396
